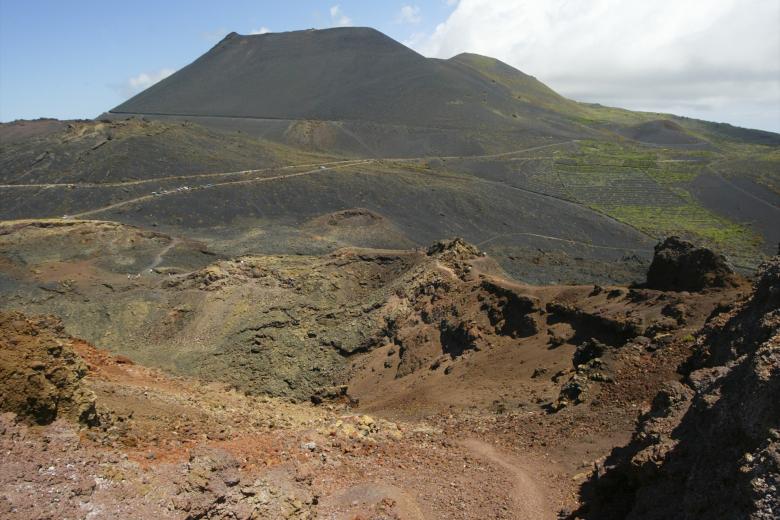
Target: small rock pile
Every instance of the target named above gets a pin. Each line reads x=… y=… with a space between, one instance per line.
x=212 y=488
x=588 y=367
x=363 y=428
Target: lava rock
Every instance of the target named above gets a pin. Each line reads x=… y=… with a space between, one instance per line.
x=679 y=265
x=587 y=351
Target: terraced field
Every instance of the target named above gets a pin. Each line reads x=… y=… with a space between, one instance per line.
x=701 y=194
x=655 y=191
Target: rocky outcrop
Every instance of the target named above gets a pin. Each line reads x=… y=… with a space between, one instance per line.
x=511 y=313
x=457 y=338
x=40 y=374
x=679 y=265
x=333 y=394
x=455 y=254
x=614 y=330
x=709 y=447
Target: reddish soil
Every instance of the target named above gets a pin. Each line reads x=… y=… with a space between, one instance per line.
x=487 y=399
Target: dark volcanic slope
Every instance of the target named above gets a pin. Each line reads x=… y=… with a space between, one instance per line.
x=133 y=149
x=341 y=74
x=312 y=140
x=359 y=76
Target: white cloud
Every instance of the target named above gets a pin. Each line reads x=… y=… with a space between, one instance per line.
x=142 y=81
x=409 y=14
x=415 y=39
x=261 y=30
x=338 y=18
x=715 y=59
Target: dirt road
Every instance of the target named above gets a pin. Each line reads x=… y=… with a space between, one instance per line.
x=530 y=502
x=158 y=259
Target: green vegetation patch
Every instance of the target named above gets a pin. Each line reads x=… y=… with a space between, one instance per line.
x=673 y=171
x=693 y=222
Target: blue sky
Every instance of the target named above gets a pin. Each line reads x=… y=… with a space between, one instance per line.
x=717 y=60
x=71 y=59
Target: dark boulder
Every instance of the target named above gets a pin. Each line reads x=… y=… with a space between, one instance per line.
x=679 y=265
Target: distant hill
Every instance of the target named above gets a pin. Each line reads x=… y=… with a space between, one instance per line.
x=308 y=141
x=358 y=74
x=336 y=74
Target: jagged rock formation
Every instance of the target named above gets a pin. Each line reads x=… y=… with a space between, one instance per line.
x=708 y=448
x=40 y=374
x=438 y=332
x=679 y=265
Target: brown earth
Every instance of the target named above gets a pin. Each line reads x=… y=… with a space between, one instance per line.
x=176 y=448
x=487 y=398
x=710 y=446
x=40 y=375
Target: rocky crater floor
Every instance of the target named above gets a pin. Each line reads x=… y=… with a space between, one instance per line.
x=146 y=376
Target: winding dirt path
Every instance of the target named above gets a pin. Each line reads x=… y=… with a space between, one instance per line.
x=329 y=164
x=185 y=177
x=567 y=240
x=197 y=188
x=323 y=167
x=530 y=501
x=158 y=259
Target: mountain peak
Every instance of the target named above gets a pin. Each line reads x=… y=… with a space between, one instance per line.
x=343 y=73
x=330 y=34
